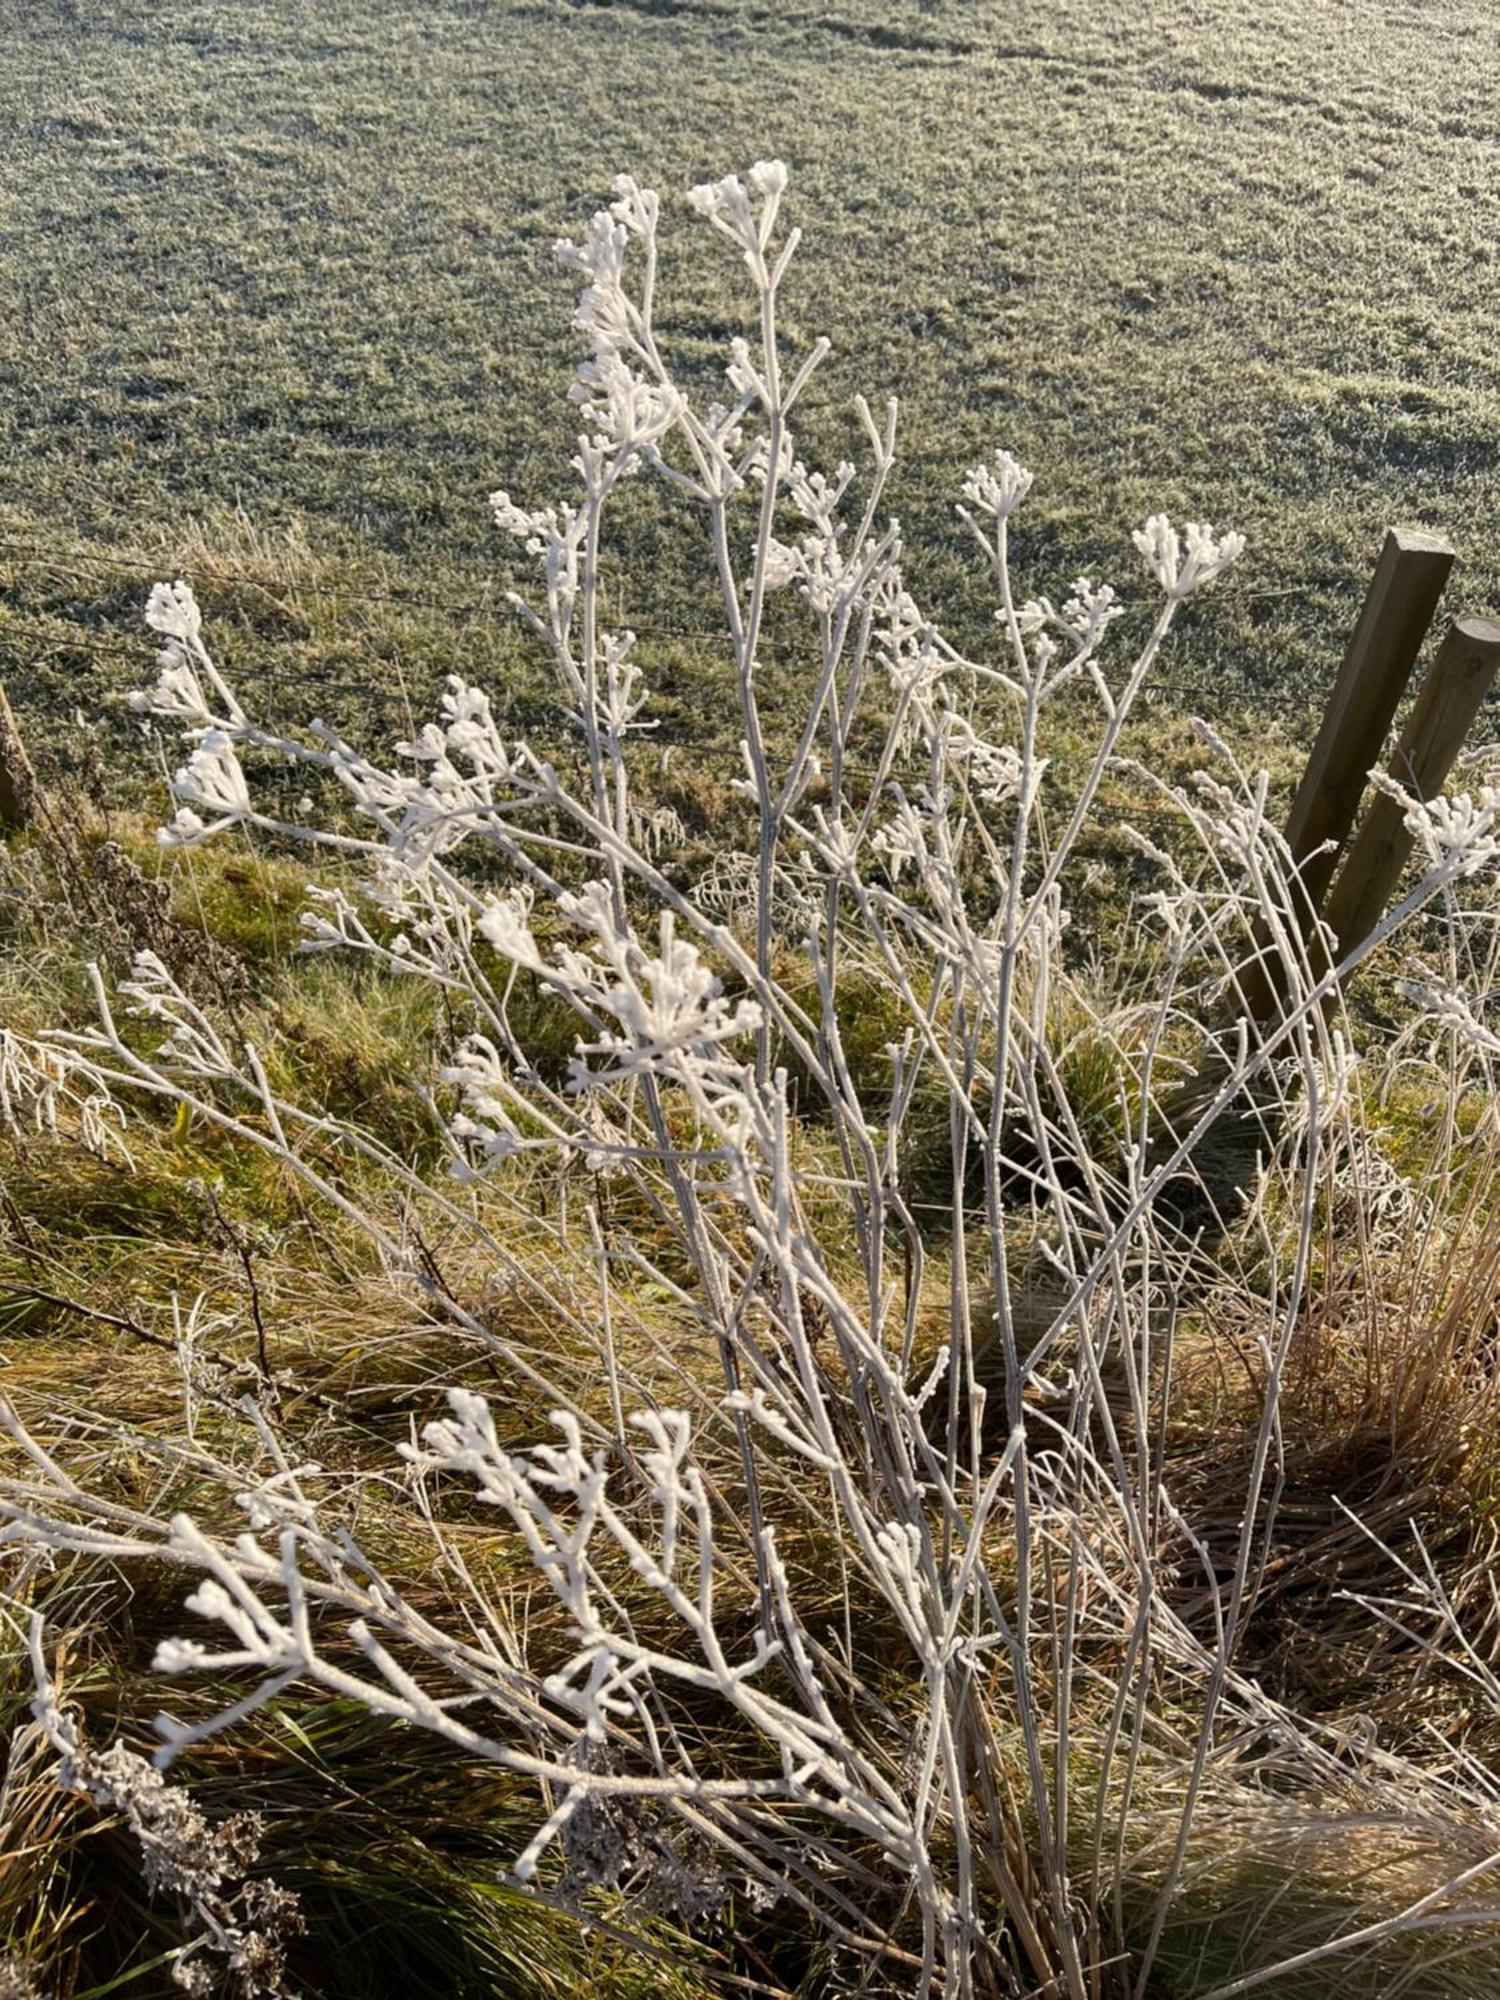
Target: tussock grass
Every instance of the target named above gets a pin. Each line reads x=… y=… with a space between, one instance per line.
x=392 y=1842
x=393 y=1845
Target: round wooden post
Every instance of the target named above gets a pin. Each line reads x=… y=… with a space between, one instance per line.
x=1393 y=622
x=1372 y=678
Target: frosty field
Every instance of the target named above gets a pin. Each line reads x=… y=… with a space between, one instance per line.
x=284 y=273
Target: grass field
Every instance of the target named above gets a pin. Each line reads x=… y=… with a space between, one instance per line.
x=280 y=307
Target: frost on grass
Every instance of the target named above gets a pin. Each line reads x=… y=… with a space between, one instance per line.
x=941 y=1412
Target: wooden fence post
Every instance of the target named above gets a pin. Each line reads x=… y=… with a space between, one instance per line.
x=17 y=779
x=1450 y=699
x=1393 y=621
x=1398 y=609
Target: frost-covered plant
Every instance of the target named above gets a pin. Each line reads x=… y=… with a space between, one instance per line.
x=44 y=1088
x=996 y=1496
x=237 y=1929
